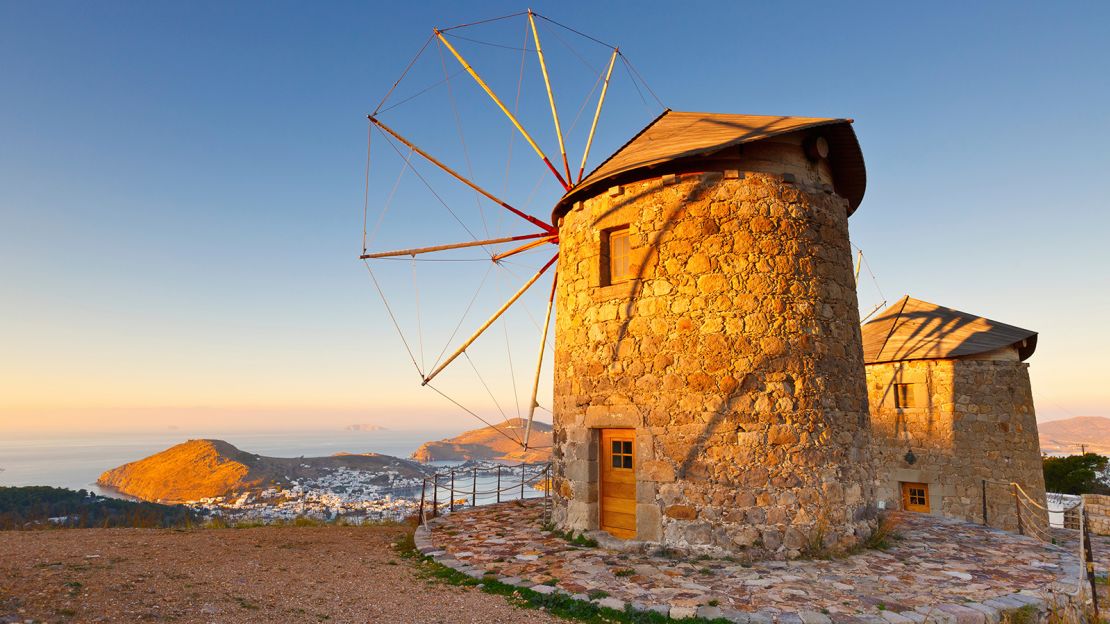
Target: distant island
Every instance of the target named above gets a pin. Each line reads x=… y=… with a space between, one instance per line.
x=205 y=469
x=364 y=427
x=496 y=443
x=1069 y=436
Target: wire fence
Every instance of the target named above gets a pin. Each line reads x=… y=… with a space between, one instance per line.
x=484 y=483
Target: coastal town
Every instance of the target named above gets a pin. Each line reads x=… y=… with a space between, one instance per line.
x=355 y=496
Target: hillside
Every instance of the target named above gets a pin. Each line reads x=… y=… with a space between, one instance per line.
x=31 y=507
x=489 y=444
x=1065 y=436
x=207 y=468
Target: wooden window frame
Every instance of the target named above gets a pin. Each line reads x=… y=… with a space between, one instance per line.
x=607 y=259
x=904 y=396
x=914 y=501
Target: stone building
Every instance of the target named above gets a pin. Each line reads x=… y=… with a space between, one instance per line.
x=709 y=381
x=952 y=420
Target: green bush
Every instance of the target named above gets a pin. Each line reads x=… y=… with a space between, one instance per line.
x=1075 y=474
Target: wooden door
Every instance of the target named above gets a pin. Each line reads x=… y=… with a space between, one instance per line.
x=915 y=497
x=618 y=482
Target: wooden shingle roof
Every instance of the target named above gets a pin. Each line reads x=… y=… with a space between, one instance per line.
x=912 y=329
x=675 y=135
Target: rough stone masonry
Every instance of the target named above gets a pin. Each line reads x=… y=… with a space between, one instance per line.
x=734 y=353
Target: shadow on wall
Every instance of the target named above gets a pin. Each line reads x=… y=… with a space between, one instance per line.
x=765 y=376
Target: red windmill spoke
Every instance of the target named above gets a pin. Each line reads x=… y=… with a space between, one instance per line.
x=496 y=315
x=496 y=100
x=493 y=241
x=461 y=178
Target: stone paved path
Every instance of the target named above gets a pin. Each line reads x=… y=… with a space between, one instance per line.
x=942 y=570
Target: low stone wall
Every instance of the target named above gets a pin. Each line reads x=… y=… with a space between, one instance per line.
x=1098 y=513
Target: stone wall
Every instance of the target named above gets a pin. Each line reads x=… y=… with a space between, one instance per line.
x=734 y=354
x=1098 y=513
x=971 y=420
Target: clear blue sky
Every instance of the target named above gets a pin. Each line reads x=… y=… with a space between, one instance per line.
x=181 y=185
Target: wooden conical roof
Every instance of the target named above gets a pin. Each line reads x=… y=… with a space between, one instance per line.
x=912 y=329
x=677 y=135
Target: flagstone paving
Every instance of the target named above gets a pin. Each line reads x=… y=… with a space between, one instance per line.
x=938 y=570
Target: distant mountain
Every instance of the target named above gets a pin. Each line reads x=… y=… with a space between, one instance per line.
x=1067 y=435
x=208 y=468
x=364 y=427
x=497 y=443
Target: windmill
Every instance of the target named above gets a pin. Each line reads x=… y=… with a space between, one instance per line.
x=441 y=176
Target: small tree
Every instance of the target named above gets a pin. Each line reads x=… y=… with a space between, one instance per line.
x=1076 y=474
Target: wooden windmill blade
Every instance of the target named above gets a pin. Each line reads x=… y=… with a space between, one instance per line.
x=457 y=45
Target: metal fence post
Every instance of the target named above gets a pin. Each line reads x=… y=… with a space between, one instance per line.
x=985 y=523
x=1089 y=560
x=1017 y=508
x=547 y=494
x=452 y=504
x=435 y=494
x=522 y=481
x=474 y=489
x=499 y=483
x=423 y=490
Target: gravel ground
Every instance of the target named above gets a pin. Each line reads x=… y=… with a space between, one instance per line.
x=286 y=574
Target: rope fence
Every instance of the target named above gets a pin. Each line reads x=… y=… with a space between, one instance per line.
x=453 y=482
x=1035 y=520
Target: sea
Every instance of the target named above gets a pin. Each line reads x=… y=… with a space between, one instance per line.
x=75 y=459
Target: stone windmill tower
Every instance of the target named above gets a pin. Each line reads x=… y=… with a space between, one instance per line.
x=709 y=381
x=709 y=386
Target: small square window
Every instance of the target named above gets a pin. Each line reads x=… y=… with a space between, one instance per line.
x=903 y=395
x=621 y=453
x=615 y=256
x=917 y=496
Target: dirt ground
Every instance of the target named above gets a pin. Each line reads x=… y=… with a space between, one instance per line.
x=269 y=574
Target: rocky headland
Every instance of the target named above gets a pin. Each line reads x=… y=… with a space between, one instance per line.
x=212 y=472
x=498 y=443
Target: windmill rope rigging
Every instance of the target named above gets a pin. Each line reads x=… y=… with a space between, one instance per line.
x=462 y=139
x=465 y=313
x=863 y=261
x=419 y=93
x=504 y=416
x=403 y=74
x=392 y=317
x=577 y=32
x=635 y=73
x=576 y=54
x=516 y=110
x=388 y=202
x=366 y=191
x=419 y=324
x=432 y=190
x=491 y=44
x=485 y=21
x=491 y=225
x=472 y=413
